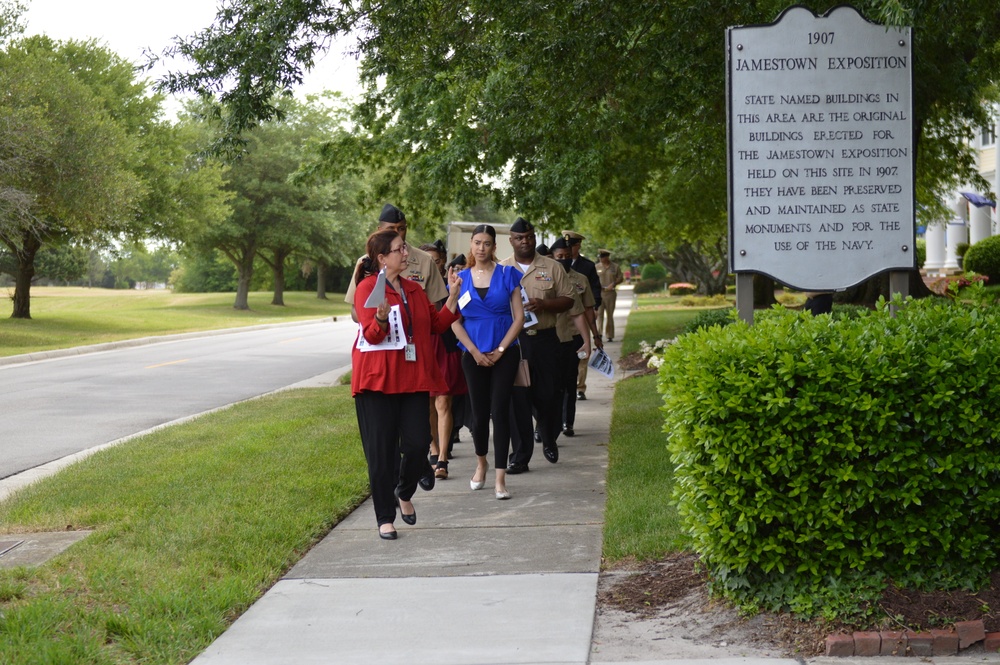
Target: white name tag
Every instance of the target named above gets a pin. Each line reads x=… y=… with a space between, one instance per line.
x=464 y=299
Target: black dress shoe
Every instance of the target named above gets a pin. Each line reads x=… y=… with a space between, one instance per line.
x=410 y=519
x=551 y=453
x=568 y=431
x=581 y=397
x=387 y=535
x=515 y=468
x=426 y=481
x=538 y=437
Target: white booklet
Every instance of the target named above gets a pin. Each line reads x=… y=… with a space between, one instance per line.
x=601 y=362
x=394 y=340
x=529 y=317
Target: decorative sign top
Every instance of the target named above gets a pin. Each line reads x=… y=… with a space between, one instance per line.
x=820 y=149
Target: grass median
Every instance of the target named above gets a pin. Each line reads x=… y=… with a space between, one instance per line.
x=73 y=316
x=192 y=524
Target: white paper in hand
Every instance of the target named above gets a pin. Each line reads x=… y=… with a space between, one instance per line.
x=377 y=296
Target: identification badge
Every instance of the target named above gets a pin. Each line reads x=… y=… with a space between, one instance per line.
x=464 y=300
x=411 y=353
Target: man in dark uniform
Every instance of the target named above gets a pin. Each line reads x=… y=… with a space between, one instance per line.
x=548 y=292
x=576 y=328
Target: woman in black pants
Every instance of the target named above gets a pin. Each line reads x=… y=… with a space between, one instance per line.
x=492 y=317
x=394 y=371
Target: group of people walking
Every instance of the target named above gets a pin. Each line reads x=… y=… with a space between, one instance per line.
x=495 y=314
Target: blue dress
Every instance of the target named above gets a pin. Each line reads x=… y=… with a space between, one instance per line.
x=487 y=320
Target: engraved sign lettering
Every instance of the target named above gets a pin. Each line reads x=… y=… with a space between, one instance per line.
x=820 y=148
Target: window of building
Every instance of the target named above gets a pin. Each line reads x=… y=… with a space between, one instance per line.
x=988 y=136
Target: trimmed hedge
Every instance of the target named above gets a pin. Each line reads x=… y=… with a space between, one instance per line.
x=653 y=271
x=984 y=258
x=818 y=457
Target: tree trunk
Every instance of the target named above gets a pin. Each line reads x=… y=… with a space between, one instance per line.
x=763 y=292
x=278 y=269
x=321 y=280
x=244 y=270
x=25 y=274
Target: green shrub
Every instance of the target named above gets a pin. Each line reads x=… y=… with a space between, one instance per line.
x=649 y=286
x=921 y=252
x=984 y=258
x=816 y=458
x=711 y=317
x=653 y=271
x=704 y=301
x=848 y=311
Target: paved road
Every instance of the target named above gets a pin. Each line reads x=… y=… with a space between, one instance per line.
x=57 y=407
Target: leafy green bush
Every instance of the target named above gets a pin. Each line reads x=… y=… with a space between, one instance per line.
x=649 y=286
x=816 y=458
x=704 y=301
x=711 y=317
x=921 y=252
x=849 y=311
x=984 y=258
x=653 y=271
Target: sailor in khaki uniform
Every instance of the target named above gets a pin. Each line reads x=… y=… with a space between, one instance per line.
x=611 y=276
x=548 y=293
x=420 y=266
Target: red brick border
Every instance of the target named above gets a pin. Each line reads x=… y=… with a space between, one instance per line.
x=935 y=642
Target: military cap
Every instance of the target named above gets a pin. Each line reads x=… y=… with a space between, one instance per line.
x=391 y=215
x=521 y=225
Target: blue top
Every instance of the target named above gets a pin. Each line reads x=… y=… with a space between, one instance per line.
x=488 y=319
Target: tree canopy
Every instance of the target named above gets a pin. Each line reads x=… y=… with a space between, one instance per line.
x=542 y=105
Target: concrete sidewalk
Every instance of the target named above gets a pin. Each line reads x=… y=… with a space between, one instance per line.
x=477 y=580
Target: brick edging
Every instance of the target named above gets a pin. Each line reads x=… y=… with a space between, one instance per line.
x=934 y=642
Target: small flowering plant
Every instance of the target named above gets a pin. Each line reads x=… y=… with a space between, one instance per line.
x=654 y=354
x=681 y=288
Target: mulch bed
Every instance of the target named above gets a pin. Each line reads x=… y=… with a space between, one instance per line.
x=658 y=585
x=635 y=362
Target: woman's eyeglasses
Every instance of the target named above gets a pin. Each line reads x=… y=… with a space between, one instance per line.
x=402 y=249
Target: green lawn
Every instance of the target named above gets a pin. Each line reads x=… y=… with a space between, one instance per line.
x=640 y=521
x=193 y=524
x=65 y=316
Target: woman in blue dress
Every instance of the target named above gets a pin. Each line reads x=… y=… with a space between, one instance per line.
x=492 y=317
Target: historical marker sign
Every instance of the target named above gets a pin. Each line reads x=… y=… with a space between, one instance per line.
x=820 y=149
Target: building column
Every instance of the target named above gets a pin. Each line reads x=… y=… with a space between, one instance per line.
x=980 y=224
x=958 y=232
x=995 y=229
x=934 y=237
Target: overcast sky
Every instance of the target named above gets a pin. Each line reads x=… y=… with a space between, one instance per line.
x=130 y=27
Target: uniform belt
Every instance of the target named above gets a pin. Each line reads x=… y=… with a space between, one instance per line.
x=544 y=331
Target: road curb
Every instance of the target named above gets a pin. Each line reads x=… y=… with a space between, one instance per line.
x=25 y=358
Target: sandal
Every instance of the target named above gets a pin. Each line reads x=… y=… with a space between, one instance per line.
x=441 y=470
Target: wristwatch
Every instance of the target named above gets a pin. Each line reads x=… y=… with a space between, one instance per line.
x=500 y=349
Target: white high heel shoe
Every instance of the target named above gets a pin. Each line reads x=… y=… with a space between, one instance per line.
x=480 y=484
x=502 y=495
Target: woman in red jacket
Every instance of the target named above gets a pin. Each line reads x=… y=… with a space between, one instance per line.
x=394 y=369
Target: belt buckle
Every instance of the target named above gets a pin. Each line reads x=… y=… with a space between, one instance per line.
x=530 y=331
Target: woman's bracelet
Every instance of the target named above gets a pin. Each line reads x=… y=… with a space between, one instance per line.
x=385 y=320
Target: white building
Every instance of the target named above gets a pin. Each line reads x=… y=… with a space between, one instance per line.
x=973 y=215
